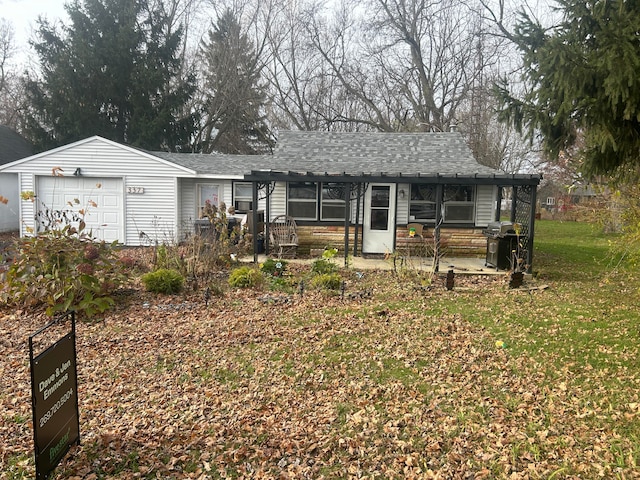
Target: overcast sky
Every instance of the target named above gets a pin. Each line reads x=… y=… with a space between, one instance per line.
x=23 y=14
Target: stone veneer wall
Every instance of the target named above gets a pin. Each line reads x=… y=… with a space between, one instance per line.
x=455 y=242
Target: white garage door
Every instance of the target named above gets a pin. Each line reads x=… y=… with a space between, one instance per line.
x=101 y=199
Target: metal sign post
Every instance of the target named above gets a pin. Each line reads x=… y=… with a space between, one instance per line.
x=54 y=397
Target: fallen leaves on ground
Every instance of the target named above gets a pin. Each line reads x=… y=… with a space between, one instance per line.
x=315 y=387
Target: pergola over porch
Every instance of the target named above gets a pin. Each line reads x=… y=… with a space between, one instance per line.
x=520 y=188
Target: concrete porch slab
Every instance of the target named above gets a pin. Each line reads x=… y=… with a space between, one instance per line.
x=460 y=265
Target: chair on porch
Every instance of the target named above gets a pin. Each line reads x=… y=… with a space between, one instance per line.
x=283 y=236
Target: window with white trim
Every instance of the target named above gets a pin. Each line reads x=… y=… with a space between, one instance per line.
x=332 y=204
x=422 y=202
x=242 y=197
x=207 y=194
x=459 y=203
x=302 y=200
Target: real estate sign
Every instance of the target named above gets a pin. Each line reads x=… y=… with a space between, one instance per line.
x=54 y=397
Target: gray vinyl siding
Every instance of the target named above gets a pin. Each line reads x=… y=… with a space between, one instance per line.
x=278 y=200
x=27 y=207
x=98 y=158
x=153 y=212
x=485 y=204
x=403 y=204
x=151 y=216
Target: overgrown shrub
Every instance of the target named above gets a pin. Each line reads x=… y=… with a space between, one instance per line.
x=64 y=269
x=245 y=277
x=163 y=280
x=327 y=281
x=322 y=266
x=169 y=258
x=203 y=254
x=325 y=264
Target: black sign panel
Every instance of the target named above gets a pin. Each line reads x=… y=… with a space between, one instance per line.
x=54 y=396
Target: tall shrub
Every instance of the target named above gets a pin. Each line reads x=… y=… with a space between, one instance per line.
x=63 y=269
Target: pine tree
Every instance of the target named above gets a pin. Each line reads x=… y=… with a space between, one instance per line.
x=583 y=83
x=111 y=72
x=234 y=99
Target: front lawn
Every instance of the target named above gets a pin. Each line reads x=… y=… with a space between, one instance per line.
x=391 y=380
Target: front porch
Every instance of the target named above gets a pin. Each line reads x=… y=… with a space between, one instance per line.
x=460 y=265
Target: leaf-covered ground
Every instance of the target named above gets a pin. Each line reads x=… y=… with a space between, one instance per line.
x=392 y=380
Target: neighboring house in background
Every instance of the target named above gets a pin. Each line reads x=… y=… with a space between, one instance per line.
x=12 y=147
x=556 y=198
x=392 y=179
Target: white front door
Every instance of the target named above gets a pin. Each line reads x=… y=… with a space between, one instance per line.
x=379 y=218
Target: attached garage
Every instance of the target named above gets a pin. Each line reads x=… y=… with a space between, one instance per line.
x=99 y=201
x=124 y=194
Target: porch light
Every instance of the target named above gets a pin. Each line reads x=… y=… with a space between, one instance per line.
x=77 y=173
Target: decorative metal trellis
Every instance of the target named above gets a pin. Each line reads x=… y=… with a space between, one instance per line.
x=336 y=191
x=266 y=188
x=524 y=196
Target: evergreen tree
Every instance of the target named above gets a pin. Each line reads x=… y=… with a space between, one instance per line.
x=583 y=83
x=234 y=117
x=112 y=72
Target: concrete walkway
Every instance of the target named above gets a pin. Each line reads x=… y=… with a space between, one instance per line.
x=460 y=265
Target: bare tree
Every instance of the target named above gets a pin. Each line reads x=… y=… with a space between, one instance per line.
x=297 y=83
x=7 y=48
x=384 y=65
x=10 y=86
x=304 y=91
x=388 y=65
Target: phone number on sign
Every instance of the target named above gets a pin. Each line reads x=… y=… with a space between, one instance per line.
x=56 y=406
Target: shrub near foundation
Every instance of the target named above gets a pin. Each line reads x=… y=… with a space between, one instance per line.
x=327 y=281
x=163 y=280
x=245 y=277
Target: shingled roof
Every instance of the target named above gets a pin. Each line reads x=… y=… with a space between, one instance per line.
x=332 y=153
x=13 y=146
x=217 y=164
x=372 y=152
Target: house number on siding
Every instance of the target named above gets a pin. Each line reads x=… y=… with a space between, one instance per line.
x=135 y=189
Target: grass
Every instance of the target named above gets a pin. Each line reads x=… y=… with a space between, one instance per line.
x=410 y=383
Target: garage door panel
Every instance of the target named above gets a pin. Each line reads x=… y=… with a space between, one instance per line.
x=110 y=218
x=104 y=219
x=110 y=201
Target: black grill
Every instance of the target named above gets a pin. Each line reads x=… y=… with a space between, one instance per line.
x=502 y=241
